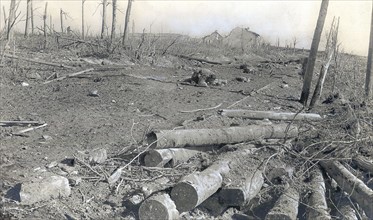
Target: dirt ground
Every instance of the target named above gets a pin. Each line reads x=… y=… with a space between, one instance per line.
x=131 y=101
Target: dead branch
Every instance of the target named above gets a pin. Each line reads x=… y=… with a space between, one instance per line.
x=20 y=123
x=201 y=60
x=203 y=109
x=69 y=75
x=352 y=185
x=37 y=61
x=269 y=115
x=29 y=129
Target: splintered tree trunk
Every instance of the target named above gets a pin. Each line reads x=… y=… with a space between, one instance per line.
x=369 y=73
x=352 y=185
x=32 y=16
x=11 y=18
x=208 y=137
x=320 y=83
x=45 y=24
x=114 y=20
x=318 y=208
x=5 y=18
x=103 y=26
x=286 y=207
x=313 y=53
x=61 y=19
x=126 y=22
x=28 y=10
x=83 y=33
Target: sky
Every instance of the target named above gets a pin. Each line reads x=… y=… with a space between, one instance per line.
x=272 y=19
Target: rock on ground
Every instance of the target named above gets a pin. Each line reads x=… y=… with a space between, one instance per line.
x=50 y=187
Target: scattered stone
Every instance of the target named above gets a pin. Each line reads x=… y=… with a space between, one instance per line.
x=202 y=77
x=93 y=93
x=220 y=82
x=98 y=156
x=52 y=164
x=75 y=180
x=33 y=75
x=44 y=189
x=24 y=84
x=284 y=86
x=47 y=137
x=242 y=79
x=136 y=199
x=66 y=168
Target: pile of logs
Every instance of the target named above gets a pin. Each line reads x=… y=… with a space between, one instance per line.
x=234 y=179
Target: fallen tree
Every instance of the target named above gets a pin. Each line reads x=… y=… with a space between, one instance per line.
x=317 y=207
x=364 y=163
x=158 y=207
x=239 y=185
x=171 y=156
x=286 y=207
x=269 y=115
x=352 y=185
x=37 y=61
x=231 y=135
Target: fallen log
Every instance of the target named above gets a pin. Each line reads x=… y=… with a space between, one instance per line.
x=286 y=207
x=158 y=207
x=171 y=156
x=349 y=183
x=37 y=61
x=202 y=60
x=155 y=186
x=21 y=132
x=318 y=209
x=269 y=115
x=20 y=123
x=239 y=194
x=364 y=163
x=195 y=188
x=69 y=75
x=206 y=137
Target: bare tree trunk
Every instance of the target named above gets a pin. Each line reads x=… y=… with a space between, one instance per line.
x=27 y=17
x=114 y=21
x=313 y=53
x=50 y=24
x=369 y=73
x=45 y=24
x=5 y=18
x=11 y=18
x=330 y=52
x=103 y=27
x=32 y=16
x=133 y=26
x=127 y=20
x=61 y=18
x=83 y=34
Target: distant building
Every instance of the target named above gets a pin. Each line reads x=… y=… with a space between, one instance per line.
x=215 y=38
x=242 y=38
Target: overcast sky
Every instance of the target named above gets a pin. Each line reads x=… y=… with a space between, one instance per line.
x=271 y=19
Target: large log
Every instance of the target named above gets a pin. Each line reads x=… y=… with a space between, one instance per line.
x=270 y=115
x=171 y=156
x=364 y=163
x=318 y=208
x=231 y=135
x=195 y=188
x=286 y=207
x=241 y=193
x=353 y=186
x=158 y=207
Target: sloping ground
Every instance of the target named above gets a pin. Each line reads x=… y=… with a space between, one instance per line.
x=131 y=101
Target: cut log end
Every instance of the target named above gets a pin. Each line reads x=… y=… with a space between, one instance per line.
x=233 y=196
x=152 y=140
x=153 y=159
x=185 y=196
x=158 y=207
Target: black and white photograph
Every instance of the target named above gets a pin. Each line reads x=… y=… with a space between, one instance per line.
x=186 y=109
